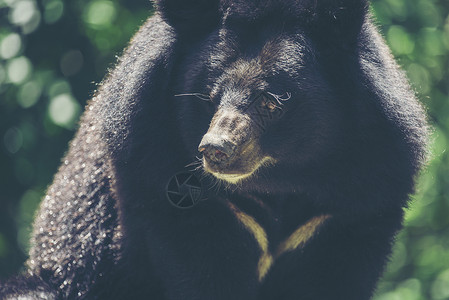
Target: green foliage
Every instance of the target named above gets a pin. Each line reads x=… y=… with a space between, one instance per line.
x=418 y=34
x=51 y=52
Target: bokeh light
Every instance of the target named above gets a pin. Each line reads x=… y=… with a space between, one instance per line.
x=53 y=10
x=29 y=93
x=24 y=13
x=10 y=46
x=19 y=69
x=100 y=14
x=400 y=41
x=64 y=110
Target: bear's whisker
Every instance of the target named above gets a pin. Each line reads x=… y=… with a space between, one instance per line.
x=195 y=163
x=197 y=95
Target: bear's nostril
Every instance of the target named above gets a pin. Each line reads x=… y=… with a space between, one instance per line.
x=214 y=154
x=218 y=151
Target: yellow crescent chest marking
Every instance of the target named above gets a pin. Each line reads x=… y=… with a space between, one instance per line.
x=296 y=240
x=301 y=235
x=259 y=234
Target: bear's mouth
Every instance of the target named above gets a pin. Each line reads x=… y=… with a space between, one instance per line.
x=231 y=178
x=236 y=173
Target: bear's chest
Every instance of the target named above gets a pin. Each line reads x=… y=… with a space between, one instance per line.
x=227 y=245
x=276 y=229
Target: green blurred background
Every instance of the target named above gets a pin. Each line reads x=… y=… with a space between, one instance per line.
x=53 y=52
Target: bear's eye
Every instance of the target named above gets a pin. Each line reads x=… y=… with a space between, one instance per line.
x=268 y=103
x=271 y=105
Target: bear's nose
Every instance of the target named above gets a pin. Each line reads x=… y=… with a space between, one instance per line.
x=216 y=149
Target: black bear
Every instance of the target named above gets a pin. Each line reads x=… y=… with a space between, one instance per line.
x=241 y=149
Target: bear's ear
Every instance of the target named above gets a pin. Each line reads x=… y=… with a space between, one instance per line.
x=191 y=17
x=337 y=22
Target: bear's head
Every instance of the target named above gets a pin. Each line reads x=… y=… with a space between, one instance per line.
x=259 y=101
x=252 y=94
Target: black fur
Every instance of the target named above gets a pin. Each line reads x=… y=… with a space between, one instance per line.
x=348 y=144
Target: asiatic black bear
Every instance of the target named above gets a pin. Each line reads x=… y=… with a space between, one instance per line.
x=241 y=149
